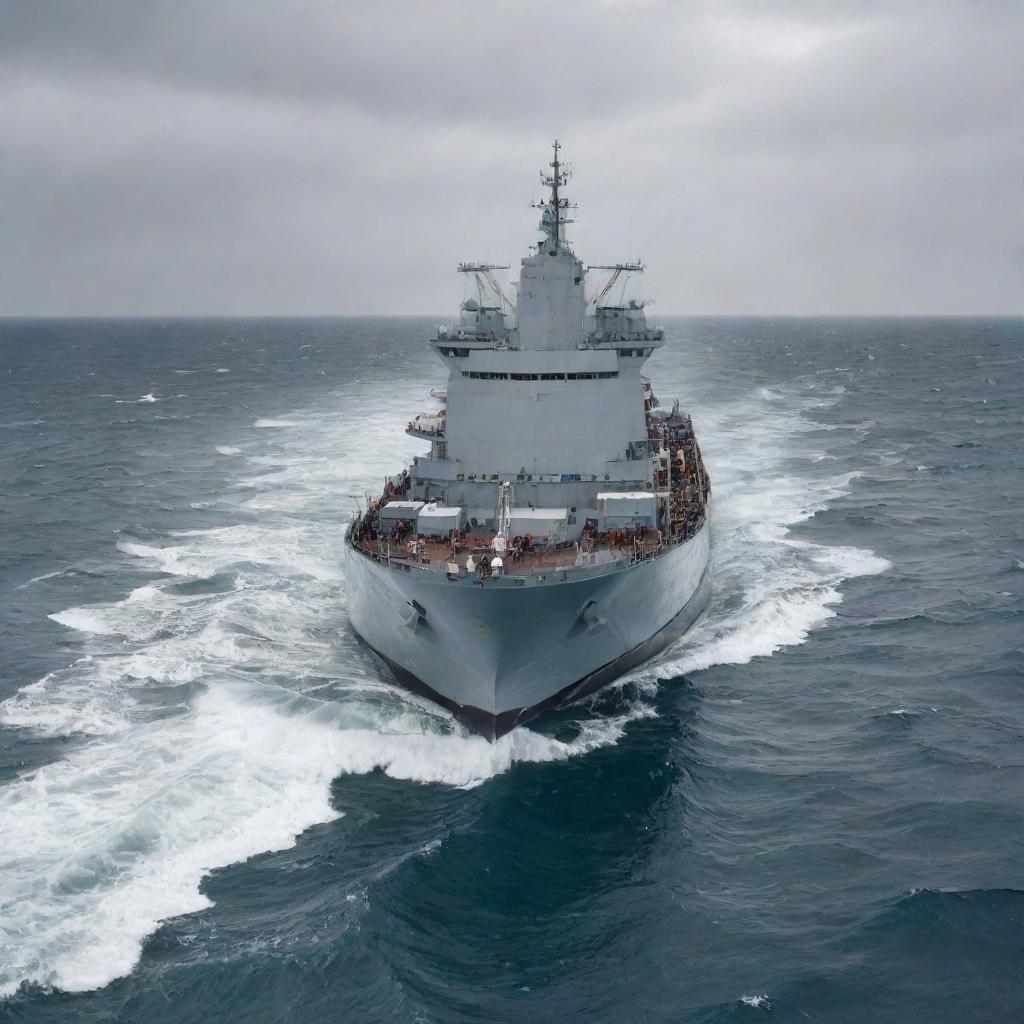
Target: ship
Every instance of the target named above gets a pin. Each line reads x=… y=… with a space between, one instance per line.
x=557 y=534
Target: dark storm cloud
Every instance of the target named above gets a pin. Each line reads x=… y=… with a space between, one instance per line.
x=319 y=157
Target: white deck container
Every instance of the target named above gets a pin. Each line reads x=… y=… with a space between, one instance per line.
x=393 y=511
x=627 y=508
x=540 y=523
x=440 y=520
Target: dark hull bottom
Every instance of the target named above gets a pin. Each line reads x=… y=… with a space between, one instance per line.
x=492 y=726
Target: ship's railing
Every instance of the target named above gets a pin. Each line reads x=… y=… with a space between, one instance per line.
x=409 y=555
x=543 y=561
x=626 y=337
x=456 y=335
x=417 y=428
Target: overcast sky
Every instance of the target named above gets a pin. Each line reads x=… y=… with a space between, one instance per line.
x=313 y=157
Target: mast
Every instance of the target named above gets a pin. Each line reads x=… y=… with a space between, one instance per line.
x=557 y=204
x=556 y=180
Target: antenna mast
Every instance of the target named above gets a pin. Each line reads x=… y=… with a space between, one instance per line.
x=557 y=203
x=556 y=180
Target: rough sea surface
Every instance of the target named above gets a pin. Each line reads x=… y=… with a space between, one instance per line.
x=214 y=806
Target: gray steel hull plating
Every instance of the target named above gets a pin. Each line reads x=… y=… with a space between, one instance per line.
x=498 y=655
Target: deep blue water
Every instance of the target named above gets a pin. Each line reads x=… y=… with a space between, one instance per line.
x=213 y=805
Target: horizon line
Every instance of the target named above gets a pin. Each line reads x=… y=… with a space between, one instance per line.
x=994 y=315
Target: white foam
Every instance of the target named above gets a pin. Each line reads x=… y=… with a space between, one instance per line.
x=39 y=579
x=66 y=703
x=271 y=424
x=139 y=616
x=168 y=558
x=226 y=449
x=208 y=552
x=759 y=1002
x=777 y=608
x=85 y=620
x=124 y=830
x=148 y=398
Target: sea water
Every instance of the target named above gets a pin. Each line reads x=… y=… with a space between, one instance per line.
x=214 y=804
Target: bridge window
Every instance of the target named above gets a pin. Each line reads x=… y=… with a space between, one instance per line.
x=487 y=375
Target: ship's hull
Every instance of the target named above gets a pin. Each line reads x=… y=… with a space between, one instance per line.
x=499 y=654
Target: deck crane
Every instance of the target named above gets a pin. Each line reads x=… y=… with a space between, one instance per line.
x=487 y=282
x=618 y=269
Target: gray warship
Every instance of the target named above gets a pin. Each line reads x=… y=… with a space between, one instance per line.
x=557 y=534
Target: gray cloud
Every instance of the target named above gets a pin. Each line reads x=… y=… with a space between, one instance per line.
x=341 y=157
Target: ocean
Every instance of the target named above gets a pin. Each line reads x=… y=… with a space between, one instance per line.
x=215 y=806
